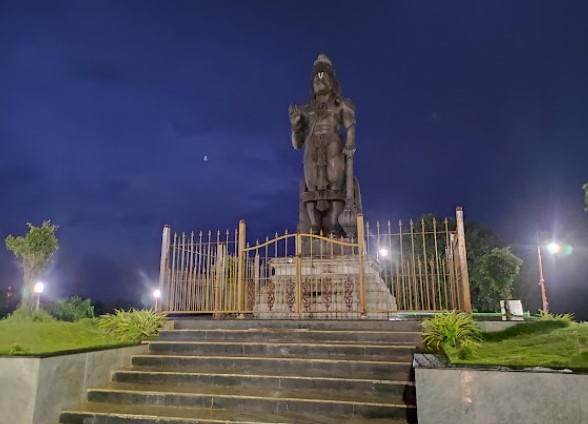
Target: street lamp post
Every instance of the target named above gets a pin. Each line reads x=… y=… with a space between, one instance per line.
x=541 y=279
x=553 y=248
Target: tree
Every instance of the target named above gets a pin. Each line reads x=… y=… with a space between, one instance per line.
x=585 y=187
x=35 y=250
x=500 y=268
x=480 y=239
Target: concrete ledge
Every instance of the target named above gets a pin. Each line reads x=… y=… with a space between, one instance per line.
x=35 y=390
x=459 y=395
x=494 y=326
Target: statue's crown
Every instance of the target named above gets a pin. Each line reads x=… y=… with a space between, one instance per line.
x=323 y=59
x=323 y=64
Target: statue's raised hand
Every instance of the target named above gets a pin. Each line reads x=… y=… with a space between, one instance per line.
x=295 y=116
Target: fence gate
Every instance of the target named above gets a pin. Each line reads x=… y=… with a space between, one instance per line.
x=381 y=271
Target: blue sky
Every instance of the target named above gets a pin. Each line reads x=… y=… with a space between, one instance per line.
x=117 y=117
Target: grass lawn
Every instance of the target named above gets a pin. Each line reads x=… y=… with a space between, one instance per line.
x=539 y=344
x=36 y=338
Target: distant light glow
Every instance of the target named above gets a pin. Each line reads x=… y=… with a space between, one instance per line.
x=39 y=287
x=157 y=293
x=553 y=247
x=383 y=252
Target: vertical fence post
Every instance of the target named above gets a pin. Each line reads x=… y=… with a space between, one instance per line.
x=361 y=252
x=452 y=300
x=241 y=293
x=298 y=247
x=163 y=266
x=461 y=246
x=219 y=277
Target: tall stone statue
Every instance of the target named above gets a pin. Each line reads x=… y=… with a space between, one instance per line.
x=325 y=128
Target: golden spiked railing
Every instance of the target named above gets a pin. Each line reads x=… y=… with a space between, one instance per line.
x=423 y=267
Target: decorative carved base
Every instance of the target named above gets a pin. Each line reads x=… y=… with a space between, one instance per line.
x=329 y=289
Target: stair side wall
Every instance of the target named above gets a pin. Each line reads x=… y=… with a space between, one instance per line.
x=35 y=390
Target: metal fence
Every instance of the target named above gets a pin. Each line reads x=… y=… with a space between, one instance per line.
x=383 y=270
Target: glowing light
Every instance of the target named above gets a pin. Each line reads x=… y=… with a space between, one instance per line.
x=383 y=252
x=39 y=287
x=157 y=293
x=553 y=247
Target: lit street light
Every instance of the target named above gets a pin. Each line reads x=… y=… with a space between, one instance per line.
x=553 y=248
x=383 y=252
x=156 y=296
x=38 y=289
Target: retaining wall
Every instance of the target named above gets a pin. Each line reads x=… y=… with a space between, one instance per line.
x=34 y=390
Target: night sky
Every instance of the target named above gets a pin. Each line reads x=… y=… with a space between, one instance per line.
x=117 y=117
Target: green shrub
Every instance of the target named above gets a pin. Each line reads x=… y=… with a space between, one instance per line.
x=455 y=329
x=546 y=316
x=24 y=315
x=132 y=326
x=73 y=309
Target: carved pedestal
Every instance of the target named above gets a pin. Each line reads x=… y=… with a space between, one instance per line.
x=329 y=289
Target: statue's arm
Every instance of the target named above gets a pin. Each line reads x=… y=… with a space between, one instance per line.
x=298 y=122
x=298 y=138
x=348 y=121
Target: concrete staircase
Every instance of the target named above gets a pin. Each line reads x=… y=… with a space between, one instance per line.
x=264 y=371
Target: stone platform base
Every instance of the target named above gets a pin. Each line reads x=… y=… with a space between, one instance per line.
x=330 y=289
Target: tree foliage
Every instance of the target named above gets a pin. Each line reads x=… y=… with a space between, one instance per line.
x=73 y=309
x=480 y=240
x=35 y=250
x=585 y=187
x=499 y=268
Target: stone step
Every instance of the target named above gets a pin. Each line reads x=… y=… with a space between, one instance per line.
x=275 y=349
x=283 y=382
x=113 y=413
x=358 y=366
x=399 y=371
x=325 y=402
x=278 y=371
x=298 y=334
x=357 y=325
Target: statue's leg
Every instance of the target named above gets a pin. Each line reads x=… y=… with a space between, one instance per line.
x=336 y=209
x=335 y=165
x=303 y=218
x=313 y=214
x=336 y=175
x=311 y=179
x=310 y=168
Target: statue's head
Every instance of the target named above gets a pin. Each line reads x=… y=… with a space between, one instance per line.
x=324 y=80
